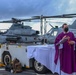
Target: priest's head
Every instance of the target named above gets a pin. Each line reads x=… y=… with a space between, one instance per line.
x=65 y=27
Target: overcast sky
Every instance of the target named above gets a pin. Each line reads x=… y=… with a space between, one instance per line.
x=29 y=8
x=25 y=8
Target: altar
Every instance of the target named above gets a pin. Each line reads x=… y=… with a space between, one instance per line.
x=45 y=55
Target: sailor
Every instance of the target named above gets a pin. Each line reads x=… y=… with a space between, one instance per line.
x=65 y=43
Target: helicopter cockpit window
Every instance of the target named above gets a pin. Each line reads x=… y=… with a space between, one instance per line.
x=18 y=25
x=15 y=26
x=27 y=27
x=54 y=33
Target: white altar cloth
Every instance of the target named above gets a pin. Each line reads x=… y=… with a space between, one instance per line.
x=45 y=55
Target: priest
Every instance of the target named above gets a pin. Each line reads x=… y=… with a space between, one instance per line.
x=65 y=50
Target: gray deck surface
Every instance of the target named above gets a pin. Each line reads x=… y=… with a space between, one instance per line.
x=26 y=72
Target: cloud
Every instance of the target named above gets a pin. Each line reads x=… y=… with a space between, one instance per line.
x=20 y=8
x=71 y=6
x=25 y=8
x=67 y=6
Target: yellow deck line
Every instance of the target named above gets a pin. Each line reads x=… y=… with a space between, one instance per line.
x=27 y=67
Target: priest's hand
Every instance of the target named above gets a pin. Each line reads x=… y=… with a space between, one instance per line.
x=64 y=37
x=71 y=42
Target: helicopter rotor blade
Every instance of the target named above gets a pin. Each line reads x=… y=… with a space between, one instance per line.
x=57 y=16
x=15 y=20
x=6 y=21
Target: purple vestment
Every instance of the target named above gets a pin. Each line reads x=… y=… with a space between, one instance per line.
x=67 y=53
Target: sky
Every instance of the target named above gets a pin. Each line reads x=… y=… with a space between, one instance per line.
x=28 y=8
x=25 y=8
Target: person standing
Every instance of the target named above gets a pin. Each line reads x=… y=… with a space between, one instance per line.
x=65 y=43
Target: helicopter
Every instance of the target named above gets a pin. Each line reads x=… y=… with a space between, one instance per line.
x=50 y=36
x=25 y=34
x=19 y=33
